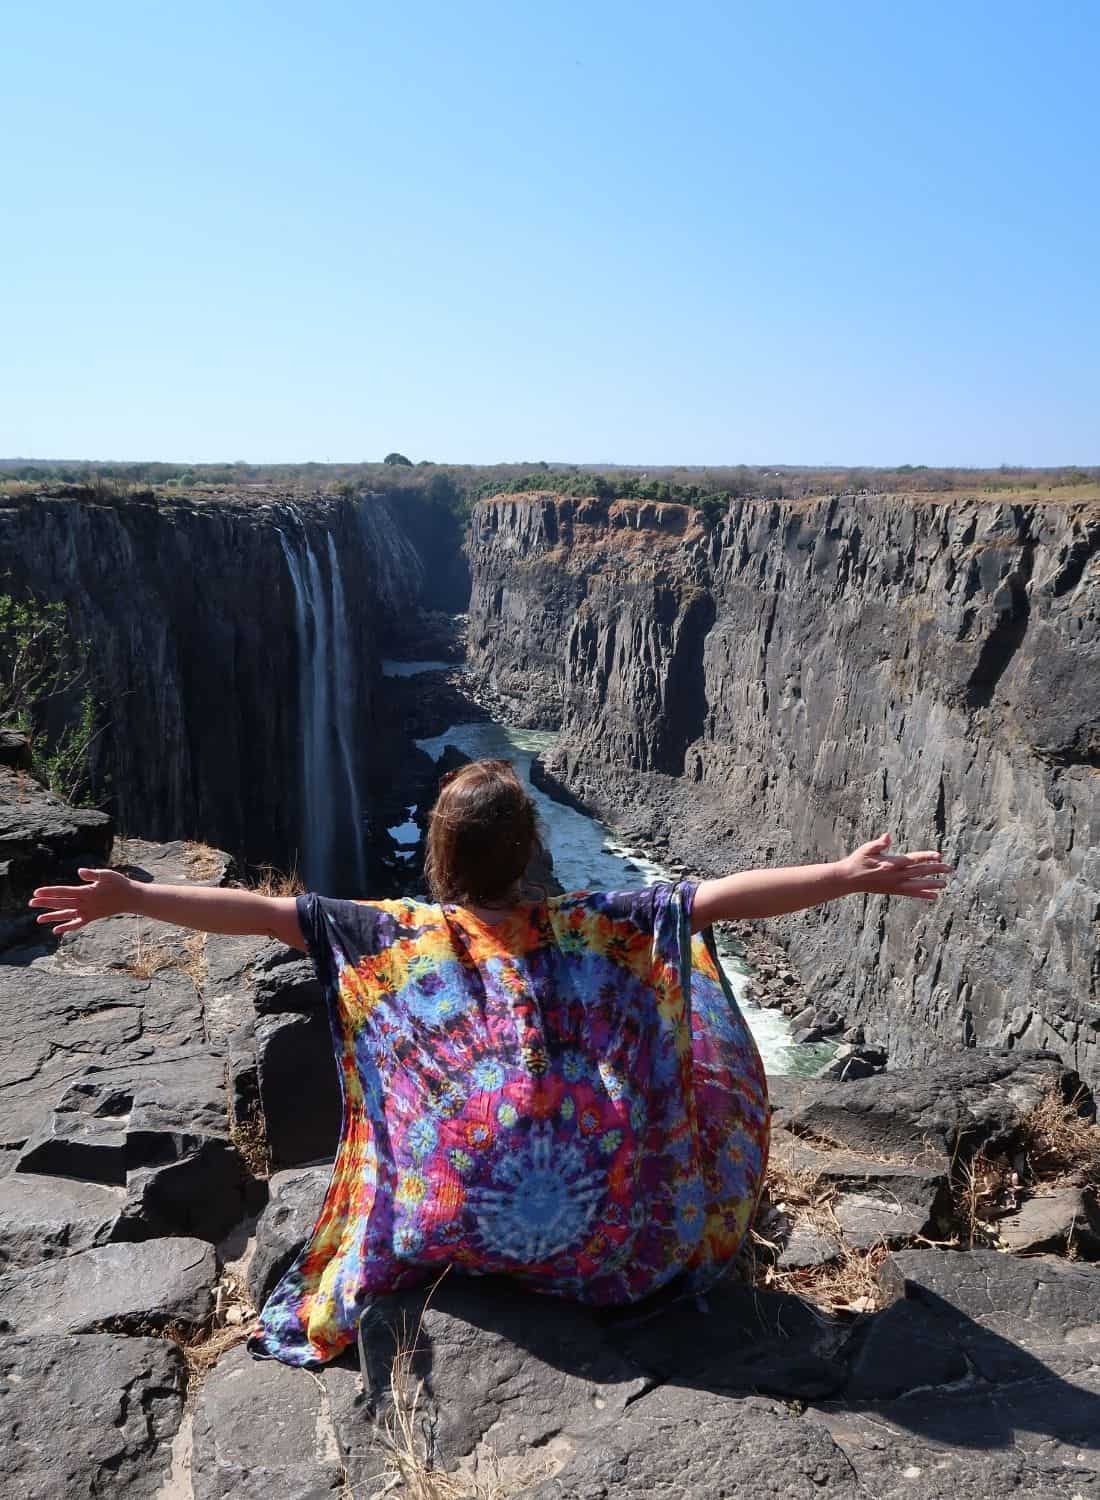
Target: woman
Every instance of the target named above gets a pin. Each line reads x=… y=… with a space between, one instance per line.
x=563 y=1090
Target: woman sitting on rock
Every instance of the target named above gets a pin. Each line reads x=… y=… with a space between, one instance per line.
x=563 y=1091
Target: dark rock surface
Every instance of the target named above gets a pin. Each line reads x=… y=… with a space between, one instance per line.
x=190 y=670
x=43 y=837
x=264 y=1431
x=966 y=1101
x=299 y=1088
x=135 y=1061
x=42 y=1218
x=160 y=1128
x=147 y=1285
x=82 y=1418
x=1055 y=1221
x=808 y=674
x=294 y=1201
x=981 y=1381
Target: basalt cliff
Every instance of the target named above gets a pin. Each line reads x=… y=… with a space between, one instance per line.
x=233 y=645
x=802 y=676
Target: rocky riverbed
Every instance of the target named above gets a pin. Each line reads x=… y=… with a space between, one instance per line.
x=168 y=1113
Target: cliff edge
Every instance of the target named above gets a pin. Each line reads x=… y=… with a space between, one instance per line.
x=806 y=674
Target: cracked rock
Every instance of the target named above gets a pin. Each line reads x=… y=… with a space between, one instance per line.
x=152 y=1283
x=86 y=1417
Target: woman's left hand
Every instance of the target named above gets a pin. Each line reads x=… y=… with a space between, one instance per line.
x=873 y=870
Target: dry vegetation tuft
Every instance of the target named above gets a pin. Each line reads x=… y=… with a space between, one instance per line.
x=1056 y=1145
x=405 y=1438
x=193 y=962
x=1060 y=1143
x=202 y=862
x=203 y=1344
x=250 y=1138
x=149 y=958
x=798 y=1196
x=202 y=1347
x=272 y=882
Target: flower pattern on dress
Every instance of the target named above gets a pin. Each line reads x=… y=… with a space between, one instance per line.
x=570 y=1097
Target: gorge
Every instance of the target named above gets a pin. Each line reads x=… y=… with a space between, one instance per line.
x=773 y=685
x=915 y=1315
x=803 y=675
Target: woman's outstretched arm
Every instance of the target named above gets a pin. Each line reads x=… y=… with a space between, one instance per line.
x=106 y=893
x=870 y=870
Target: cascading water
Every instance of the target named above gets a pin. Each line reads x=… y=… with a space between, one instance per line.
x=344 y=707
x=326 y=697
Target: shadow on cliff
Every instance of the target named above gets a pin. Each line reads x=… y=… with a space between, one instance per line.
x=921 y=1364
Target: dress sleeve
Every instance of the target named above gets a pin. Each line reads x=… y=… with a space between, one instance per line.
x=337 y=932
x=663 y=913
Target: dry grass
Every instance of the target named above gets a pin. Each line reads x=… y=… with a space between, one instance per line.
x=405 y=1435
x=202 y=862
x=149 y=958
x=1055 y=1145
x=250 y=1138
x=799 y=1197
x=193 y=963
x=202 y=1347
x=203 y=1344
x=272 y=882
x=1059 y=1143
x=848 y=1284
x=985 y=1187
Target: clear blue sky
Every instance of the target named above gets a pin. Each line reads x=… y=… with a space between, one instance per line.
x=841 y=232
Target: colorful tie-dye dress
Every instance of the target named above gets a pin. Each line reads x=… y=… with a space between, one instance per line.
x=569 y=1096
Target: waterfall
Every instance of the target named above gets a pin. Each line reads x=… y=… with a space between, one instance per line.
x=332 y=835
x=344 y=715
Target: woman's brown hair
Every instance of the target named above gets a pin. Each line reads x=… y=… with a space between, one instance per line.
x=481 y=836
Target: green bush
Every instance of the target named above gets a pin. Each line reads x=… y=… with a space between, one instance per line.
x=45 y=693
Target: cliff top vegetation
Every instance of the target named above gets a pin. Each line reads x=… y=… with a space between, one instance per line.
x=455 y=488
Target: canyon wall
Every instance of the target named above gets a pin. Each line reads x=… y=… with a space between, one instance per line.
x=234 y=647
x=806 y=675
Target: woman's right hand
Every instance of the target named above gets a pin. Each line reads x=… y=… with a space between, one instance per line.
x=67 y=908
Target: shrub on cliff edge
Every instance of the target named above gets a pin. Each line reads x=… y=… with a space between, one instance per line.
x=45 y=693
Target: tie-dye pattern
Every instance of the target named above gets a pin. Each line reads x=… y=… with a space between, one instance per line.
x=570 y=1097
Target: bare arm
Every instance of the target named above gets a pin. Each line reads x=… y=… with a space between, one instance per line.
x=106 y=893
x=870 y=870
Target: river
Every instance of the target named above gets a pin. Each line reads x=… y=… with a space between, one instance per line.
x=588 y=857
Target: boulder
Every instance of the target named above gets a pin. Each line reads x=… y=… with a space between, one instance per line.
x=55 y=1023
x=981 y=1379
x=299 y=1087
x=145 y=1285
x=920 y=1184
x=1054 y=1221
x=806 y=1248
x=228 y=985
x=15 y=750
x=697 y=1445
x=43 y=1218
x=158 y=1126
x=967 y=1100
x=85 y=1417
x=501 y=1365
x=266 y=1432
x=866 y=1221
x=285 y=981
x=294 y=1202
x=739 y=1340
x=42 y=838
